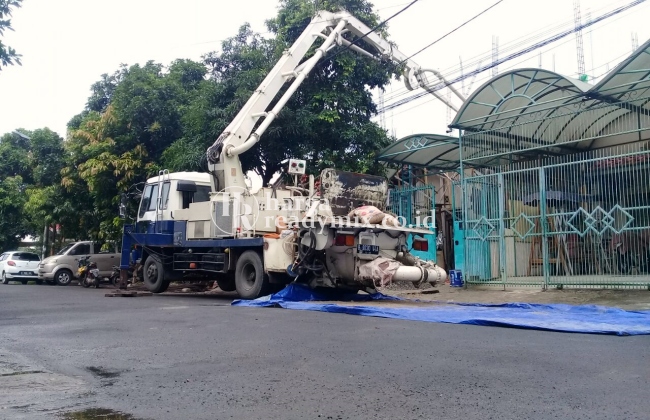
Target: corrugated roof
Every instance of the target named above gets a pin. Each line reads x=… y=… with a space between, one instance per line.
x=530 y=108
x=431 y=151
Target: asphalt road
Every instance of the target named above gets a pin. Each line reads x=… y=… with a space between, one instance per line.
x=67 y=349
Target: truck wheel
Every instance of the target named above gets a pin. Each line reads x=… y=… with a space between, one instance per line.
x=250 y=280
x=226 y=282
x=63 y=277
x=154 y=275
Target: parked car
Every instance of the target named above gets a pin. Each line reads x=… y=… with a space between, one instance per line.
x=62 y=267
x=19 y=266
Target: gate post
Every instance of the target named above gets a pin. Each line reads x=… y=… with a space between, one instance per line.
x=543 y=225
x=502 y=230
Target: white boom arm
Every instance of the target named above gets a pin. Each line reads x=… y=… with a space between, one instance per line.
x=239 y=136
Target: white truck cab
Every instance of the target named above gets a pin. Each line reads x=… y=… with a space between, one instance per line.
x=178 y=191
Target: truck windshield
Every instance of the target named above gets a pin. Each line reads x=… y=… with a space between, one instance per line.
x=150 y=198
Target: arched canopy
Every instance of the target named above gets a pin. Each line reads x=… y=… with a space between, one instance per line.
x=516 y=93
x=531 y=109
x=431 y=151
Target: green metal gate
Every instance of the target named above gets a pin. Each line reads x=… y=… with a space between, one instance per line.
x=415 y=207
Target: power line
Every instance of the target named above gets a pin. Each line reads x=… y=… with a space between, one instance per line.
x=516 y=54
x=379 y=26
x=454 y=30
x=486 y=56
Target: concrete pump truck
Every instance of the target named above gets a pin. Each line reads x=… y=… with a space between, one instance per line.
x=211 y=227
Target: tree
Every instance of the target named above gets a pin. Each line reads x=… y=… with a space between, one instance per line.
x=8 y=56
x=327 y=121
x=13 y=224
x=331 y=114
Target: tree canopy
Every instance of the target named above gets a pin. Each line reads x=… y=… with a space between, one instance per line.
x=142 y=118
x=8 y=55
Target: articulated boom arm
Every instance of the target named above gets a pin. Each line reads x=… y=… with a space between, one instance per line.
x=239 y=136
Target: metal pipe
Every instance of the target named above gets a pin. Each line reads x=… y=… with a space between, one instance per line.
x=446 y=82
x=254 y=137
x=431 y=275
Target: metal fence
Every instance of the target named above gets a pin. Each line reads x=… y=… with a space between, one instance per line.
x=575 y=216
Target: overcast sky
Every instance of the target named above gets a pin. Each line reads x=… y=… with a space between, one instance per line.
x=67 y=44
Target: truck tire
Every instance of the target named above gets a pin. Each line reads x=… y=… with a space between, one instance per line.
x=226 y=282
x=154 y=275
x=250 y=280
x=63 y=277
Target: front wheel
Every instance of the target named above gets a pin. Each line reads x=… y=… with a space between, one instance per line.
x=154 y=275
x=63 y=277
x=84 y=282
x=250 y=280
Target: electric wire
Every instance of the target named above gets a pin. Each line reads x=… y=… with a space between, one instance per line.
x=486 y=56
x=514 y=55
x=378 y=26
x=452 y=31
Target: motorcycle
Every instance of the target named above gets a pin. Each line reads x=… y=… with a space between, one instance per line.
x=115 y=275
x=88 y=273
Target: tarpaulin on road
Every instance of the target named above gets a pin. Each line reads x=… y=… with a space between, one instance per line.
x=565 y=318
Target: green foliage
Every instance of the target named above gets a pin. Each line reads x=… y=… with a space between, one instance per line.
x=142 y=118
x=13 y=225
x=8 y=56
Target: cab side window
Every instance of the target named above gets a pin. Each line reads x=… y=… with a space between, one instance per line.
x=81 y=249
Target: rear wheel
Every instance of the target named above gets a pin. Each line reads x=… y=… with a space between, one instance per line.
x=5 y=280
x=39 y=281
x=154 y=275
x=24 y=281
x=226 y=282
x=250 y=280
x=63 y=277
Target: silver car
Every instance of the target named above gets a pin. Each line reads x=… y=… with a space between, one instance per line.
x=62 y=267
x=19 y=266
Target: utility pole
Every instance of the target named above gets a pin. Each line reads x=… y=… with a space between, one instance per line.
x=577 y=18
x=382 y=114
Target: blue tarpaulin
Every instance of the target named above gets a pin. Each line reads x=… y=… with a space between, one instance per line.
x=565 y=318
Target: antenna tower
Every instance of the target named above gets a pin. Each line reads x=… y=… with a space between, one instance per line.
x=635 y=41
x=495 y=55
x=577 y=18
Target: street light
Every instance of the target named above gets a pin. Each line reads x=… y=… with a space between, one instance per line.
x=21 y=135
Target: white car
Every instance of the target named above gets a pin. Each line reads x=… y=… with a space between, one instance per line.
x=19 y=266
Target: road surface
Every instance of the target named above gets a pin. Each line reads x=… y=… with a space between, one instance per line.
x=68 y=349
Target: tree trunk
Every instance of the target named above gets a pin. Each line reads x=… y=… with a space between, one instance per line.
x=269 y=173
x=46 y=235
